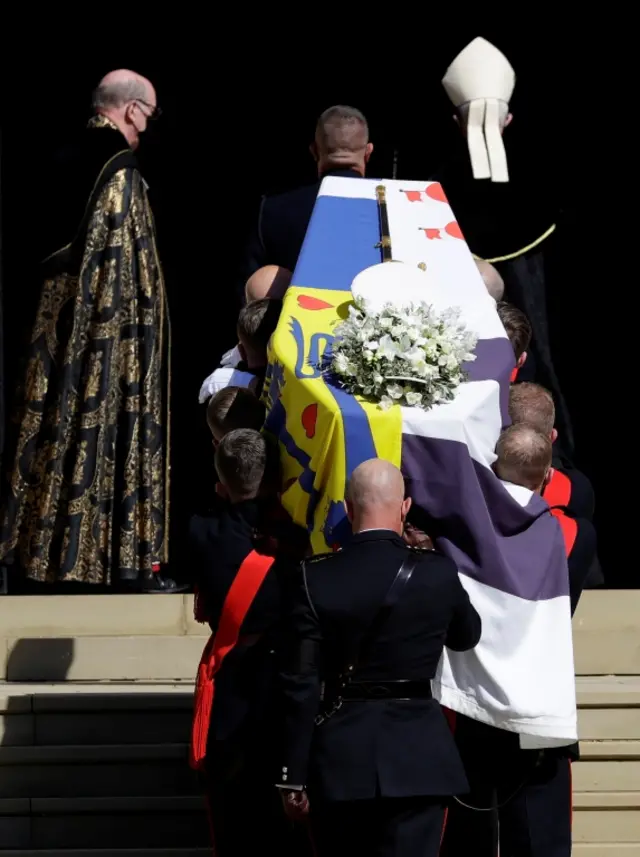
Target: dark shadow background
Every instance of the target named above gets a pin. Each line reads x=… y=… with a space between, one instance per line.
x=237 y=123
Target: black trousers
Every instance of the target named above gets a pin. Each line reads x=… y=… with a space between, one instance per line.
x=381 y=827
x=245 y=811
x=529 y=790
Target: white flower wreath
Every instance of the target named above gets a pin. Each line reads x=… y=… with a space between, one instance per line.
x=401 y=355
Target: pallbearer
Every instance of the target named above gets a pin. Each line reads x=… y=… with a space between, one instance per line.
x=362 y=731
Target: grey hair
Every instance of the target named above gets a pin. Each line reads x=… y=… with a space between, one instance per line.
x=463 y=112
x=110 y=95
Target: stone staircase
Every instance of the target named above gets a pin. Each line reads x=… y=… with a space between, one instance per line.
x=95 y=709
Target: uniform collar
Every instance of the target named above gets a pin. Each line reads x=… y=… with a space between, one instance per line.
x=375 y=535
x=341 y=173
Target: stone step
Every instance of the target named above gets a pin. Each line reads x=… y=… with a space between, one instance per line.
x=605 y=633
x=161 y=769
x=154 y=713
x=131 y=637
x=607 y=826
x=601 y=849
x=580 y=849
x=96 y=771
x=102 y=658
x=66 y=617
x=112 y=852
x=163 y=824
x=174 y=830
x=68 y=713
x=606 y=776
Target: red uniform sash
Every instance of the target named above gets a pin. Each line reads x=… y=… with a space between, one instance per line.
x=236 y=605
x=558 y=493
x=514 y=375
x=569 y=529
x=558 y=490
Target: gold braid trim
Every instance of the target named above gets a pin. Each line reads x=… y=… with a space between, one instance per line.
x=526 y=249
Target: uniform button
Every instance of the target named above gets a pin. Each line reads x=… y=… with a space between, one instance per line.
x=284 y=777
x=285 y=770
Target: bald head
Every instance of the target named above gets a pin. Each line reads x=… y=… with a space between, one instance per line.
x=492 y=280
x=271 y=281
x=342 y=140
x=375 y=497
x=118 y=88
x=524 y=456
x=128 y=99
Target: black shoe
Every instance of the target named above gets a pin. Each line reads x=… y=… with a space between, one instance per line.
x=154 y=584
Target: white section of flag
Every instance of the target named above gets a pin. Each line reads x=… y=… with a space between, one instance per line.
x=520 y=676
x=454 y=279
x=472 y=418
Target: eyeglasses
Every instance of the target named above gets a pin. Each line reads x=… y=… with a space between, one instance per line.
x=155 y=112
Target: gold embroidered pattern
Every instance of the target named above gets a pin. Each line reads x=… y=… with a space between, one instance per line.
x=89 y=482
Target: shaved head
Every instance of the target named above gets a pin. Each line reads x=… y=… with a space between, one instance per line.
x=492 y=280
x=375 y=496
x=129 y=100
x=271 y=281
x=524 y=456
x=342 y=139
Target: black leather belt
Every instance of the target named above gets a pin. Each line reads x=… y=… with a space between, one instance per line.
x=402 y=689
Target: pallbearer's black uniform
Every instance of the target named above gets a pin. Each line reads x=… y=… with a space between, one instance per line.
x=529 y=790
x=282 y=224
x=378 y=771
x=245 y=811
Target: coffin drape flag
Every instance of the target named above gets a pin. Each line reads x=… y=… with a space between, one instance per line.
x=508 y=547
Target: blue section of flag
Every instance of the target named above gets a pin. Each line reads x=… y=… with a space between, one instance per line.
x=340 y=242
x=359 y=445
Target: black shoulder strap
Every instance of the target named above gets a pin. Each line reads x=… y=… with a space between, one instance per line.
x=391 y=599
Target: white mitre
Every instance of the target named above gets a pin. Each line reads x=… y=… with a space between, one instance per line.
x=482 y=77
x=396 y=283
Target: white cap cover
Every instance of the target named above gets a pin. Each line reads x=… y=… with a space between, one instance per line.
x=482 y=77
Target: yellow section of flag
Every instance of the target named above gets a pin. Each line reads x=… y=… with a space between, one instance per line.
x=323 y=432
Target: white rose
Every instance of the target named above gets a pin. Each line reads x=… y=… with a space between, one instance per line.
x=385 y=403
x=413 y=399
x=395 y=391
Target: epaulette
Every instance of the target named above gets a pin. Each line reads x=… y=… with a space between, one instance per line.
x=425 y=551
x=319 y=557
